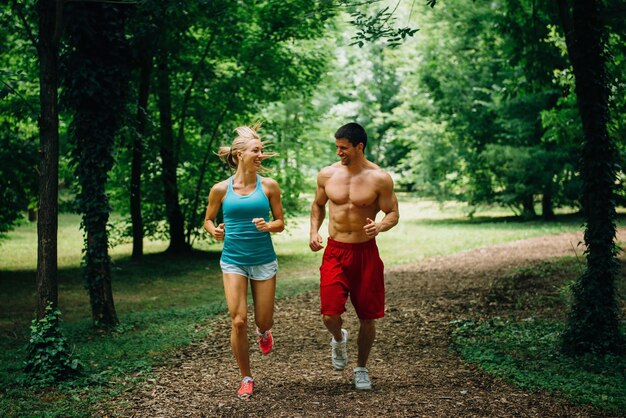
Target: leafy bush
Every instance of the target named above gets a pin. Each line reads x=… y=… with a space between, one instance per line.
x=49 y=358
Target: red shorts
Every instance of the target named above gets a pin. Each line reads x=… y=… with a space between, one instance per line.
x=355 y=270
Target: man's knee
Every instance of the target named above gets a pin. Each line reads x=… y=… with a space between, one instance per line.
x=331 y=319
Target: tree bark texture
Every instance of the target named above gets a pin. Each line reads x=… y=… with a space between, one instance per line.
x=137 y=162
x=168 y=159
x=594 y=318
x=47 y=222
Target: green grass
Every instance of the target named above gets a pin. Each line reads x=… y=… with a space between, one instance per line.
x=522 y=345
x=164 y=302
x=527 y=354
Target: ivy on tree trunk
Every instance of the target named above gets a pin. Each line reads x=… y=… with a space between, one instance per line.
x=96 y=79
x=593 y=325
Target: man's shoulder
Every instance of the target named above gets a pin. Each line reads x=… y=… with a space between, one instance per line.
x=329 y=170
x=378 y=174
x=375 y=170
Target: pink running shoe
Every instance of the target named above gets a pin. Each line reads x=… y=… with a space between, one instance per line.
x=246 y=388
x=266 y=341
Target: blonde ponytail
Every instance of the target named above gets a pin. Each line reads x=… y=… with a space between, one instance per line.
x=245 y=134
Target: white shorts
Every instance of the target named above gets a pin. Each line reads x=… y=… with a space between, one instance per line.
x=259 y=272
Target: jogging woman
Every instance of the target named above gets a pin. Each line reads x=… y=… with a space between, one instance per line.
x=246 y=200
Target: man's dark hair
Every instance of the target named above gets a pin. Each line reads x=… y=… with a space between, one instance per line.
x=354 y=133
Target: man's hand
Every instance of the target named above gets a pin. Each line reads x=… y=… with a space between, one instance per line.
x=315 y=244
x=218 y=233
x=370 y=228
x=260 y=223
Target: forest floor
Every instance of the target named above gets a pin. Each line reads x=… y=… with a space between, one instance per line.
x=413 y=368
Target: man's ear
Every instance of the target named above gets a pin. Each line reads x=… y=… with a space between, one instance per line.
x=360 y=146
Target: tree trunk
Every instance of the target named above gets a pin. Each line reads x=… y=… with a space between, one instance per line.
x=98 y=270
x=47 y=223
x=547 y=207
x=593 y=325
x=168 y=160
x=95 y=93
x=135 y=178
x=528 y=207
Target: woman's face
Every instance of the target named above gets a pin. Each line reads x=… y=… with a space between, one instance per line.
x=252 y=155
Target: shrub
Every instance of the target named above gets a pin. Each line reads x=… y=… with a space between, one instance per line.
x=49 y=358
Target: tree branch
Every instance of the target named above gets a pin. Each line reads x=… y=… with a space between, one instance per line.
x=29 y=32
x=30 y=106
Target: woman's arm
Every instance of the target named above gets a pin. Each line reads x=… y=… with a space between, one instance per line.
x=277 y=224
x=216 y=196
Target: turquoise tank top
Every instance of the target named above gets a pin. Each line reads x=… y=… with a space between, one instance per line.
x=244 y=245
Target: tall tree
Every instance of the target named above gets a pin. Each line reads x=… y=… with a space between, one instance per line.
x=143 y=45
x=96 y=81
x=594 y=318
x=47 y=223
x=169 y=157
x=145 y=71
x=169 y=161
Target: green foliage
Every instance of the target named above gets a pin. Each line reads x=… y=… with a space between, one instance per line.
x=18 y=176
x=485 y=79
x=229 y=62
x=528 y=354
x=380 y=25
x=18 y=122
x=595 y=315
x=49 y=358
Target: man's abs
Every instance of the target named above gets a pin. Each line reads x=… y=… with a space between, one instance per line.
x=347 y=222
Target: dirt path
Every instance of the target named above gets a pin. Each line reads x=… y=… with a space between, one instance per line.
x=414 y=372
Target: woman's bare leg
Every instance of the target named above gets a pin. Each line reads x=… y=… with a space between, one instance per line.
x=235 y=290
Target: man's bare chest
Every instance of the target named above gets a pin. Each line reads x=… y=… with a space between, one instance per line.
x=357 y=191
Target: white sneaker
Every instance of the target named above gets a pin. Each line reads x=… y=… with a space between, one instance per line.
x=339 y=351
x=362 y=379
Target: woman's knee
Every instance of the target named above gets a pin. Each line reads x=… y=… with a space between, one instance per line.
x=240 y=323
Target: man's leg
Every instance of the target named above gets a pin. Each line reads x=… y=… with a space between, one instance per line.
x=333 y=324
x=367 y=334
x=365 y=340
x=338 y=345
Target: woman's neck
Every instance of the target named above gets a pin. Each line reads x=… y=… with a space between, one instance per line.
x=245 y=177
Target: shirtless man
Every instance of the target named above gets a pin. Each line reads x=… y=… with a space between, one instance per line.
x=357 y=190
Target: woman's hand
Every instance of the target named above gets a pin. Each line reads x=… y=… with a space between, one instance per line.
x=218 y=232
x=261 y=225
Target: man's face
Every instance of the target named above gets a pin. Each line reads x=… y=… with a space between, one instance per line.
x=346 y=151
